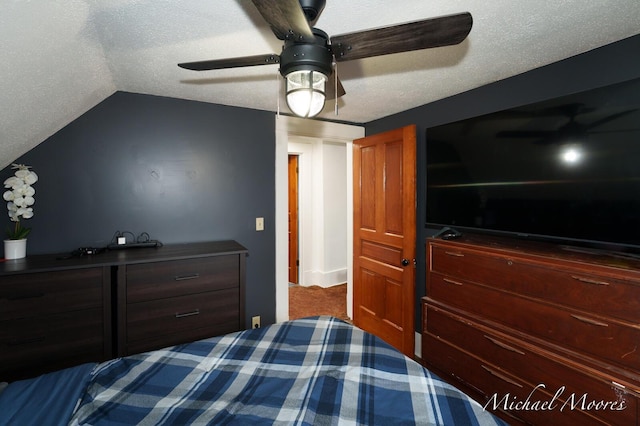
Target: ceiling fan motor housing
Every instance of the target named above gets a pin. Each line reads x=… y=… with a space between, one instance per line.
x=297 y=56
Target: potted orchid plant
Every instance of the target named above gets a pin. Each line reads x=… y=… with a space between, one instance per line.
x=20 y=199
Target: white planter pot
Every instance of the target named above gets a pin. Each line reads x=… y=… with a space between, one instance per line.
x=15 y=249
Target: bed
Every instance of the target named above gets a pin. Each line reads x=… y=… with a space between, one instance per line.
x=311 y=371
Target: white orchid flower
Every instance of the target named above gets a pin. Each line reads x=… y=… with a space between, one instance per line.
x=19 y=201
x=13 y=182
x=13 y=212
x=22 y=173
x=20 y=198
x=31 y=178
x=25 y=212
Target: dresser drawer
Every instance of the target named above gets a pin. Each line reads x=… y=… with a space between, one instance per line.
x=574 y=287
x=157 y=280
x=178 y=314
x=184 y=336
x=606 y=339
x=41 y=344
x=38 y=294
x=499 y=389
x=546 y=369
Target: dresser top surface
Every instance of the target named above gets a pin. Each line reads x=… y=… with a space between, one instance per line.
x=497 y=244
x=52 y=262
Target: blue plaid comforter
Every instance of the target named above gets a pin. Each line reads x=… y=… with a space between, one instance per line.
x=313 y=371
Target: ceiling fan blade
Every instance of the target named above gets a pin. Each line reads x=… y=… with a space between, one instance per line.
x=525 y=134
x=435 y=32
x=330 y=90
x=596 y=132
x=246 y=61
x=286 y=18
x=610 y=118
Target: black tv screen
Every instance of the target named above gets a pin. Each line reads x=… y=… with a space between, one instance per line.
x=567 y=169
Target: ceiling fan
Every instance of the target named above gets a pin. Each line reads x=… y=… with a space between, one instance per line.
x=308 y=56
x=571 y=130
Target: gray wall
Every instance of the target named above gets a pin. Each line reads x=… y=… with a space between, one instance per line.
x=181 y=171
x=610 y=64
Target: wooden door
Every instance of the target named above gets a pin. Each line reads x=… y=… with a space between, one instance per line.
x=384 y=170
x=293 y=219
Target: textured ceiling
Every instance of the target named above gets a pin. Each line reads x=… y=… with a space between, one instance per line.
x=59 y=58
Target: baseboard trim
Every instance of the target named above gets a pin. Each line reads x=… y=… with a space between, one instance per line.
x=325 y=279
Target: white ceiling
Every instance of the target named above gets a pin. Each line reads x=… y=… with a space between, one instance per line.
x=59 y=58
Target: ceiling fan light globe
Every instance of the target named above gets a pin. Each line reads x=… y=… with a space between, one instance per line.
x=306 y=92
x=305 y=103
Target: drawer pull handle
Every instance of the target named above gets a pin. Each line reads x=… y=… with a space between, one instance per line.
x=25 y=296
x=504 y=345
x=500 y=376
x=450 y=281
x=589 y=280
x=453 y=253
x=186 y=277
x=625 y=388
x=590 y=321
x=26 y=341
x=188 y=314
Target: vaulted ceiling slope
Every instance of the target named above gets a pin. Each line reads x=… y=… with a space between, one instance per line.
x=59 y=58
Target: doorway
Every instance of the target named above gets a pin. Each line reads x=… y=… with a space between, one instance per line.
x=322 y=204
x=288 y=128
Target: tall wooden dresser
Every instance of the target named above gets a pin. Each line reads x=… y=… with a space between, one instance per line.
x=540 y=333
x=57 y=311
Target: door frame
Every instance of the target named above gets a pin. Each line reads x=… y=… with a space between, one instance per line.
x=336 y=132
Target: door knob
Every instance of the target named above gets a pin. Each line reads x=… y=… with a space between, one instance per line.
x=405 y=262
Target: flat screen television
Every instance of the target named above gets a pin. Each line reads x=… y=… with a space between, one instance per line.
x=566 y=169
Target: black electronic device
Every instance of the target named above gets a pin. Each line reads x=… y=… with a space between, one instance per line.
x=450 y=236
x=144 y=244
x=564 y=170
x=125 y=240
x=448 y=233
x=86 y=251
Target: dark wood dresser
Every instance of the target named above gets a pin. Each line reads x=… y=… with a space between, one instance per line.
x=184 y=293
x=543 y=334
x=58 y=311
x=52 y=318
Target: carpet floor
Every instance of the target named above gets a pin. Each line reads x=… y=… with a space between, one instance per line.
x=315 y=300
